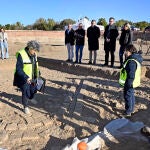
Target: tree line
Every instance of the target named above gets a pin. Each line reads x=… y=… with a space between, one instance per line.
x=50 y=24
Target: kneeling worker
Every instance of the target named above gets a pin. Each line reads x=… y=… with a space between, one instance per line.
x=27 y=71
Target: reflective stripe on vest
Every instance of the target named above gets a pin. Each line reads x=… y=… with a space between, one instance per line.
x=123 y=74
x=27 y=65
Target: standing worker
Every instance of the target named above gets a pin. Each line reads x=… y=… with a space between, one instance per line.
x=130 y=76
x=27 y=71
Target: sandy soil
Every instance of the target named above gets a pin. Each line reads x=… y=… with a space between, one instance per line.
x=79 y=101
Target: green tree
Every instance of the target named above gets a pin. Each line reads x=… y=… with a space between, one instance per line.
x=65 y=22
x=18 y=26
x=141 y=24
x=40 y=24
x=121 y=22
x=102 y=21
x=50 y=23
x=28 y=27
x=57 y=26
x=13 y=27
x=8 y=26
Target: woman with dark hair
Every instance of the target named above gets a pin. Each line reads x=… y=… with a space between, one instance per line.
x=125 y=39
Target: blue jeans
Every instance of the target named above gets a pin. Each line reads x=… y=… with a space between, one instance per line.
x=4 y=46
x=79 y=47
x=121 y=52
x=129 y=99
x=70 y=49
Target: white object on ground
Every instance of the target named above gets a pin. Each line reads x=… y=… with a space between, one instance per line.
x=115 y=129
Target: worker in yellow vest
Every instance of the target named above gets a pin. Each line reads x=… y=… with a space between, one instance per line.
x=27 y=71
x=130 y=76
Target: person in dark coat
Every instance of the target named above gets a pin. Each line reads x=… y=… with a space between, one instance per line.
x=69 y=42
x=27 y=71
x=131 y=67
x=125 y=39
x=110 y=35
x=93 y=34
x=80 y=39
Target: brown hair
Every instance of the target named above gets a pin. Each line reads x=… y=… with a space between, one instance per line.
x=131 y=48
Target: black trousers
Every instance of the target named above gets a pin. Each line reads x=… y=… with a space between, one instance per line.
x=27 y=93
x=112 y=53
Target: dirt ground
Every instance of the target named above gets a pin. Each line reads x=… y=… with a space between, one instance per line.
x=79 y=100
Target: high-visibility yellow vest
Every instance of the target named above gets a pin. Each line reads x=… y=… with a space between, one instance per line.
x=27 y=64
x=123 y=74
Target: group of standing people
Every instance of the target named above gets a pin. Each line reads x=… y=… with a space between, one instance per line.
x=111 y=33
x=77 y=38
x=130 y=66
x=4 y=44
x=27 y=70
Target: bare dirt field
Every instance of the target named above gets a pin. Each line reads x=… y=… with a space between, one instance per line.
x=79 y=100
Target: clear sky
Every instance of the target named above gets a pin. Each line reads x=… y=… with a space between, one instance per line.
x=28 y=11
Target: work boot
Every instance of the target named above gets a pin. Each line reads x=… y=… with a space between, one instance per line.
x=125 y=114
x=33 y=101
x=26 y=110
x=105 y=64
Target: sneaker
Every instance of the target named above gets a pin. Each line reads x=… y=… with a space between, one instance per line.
x=68 y=60
x=112 y=66
x=105 y=64
x=80 y=62
x=33 y=101
x=26 y=110
x=76 y=62
x=125 y=114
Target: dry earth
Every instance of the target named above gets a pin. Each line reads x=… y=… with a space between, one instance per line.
x=79 y=101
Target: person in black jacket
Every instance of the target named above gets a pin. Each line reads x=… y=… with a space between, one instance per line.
x=132 y=56
x=69 y=42
x=93 y=34
x=110 y=35
x=80 y=38
x=125 y=39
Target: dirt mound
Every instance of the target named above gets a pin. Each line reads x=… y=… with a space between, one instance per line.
x=79 y=100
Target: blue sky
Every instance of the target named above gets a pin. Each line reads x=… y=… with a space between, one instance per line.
x=28 y=11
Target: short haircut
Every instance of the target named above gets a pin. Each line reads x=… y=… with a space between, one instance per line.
x=111 y=18
x=93 y=21
x=33 y=45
